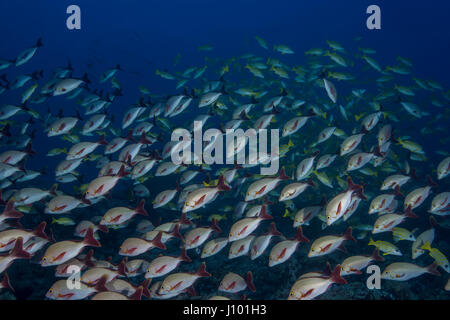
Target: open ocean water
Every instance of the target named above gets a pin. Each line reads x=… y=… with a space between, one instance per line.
x=156 y=43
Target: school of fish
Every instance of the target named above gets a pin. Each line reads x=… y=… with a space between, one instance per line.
x=347 y=161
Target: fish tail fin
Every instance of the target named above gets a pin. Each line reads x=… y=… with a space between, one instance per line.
x=336 y=275
x=184 y=220
x=273 y=230
x=282 y=175
x=409 y=214
x=88 y=259
x=377 y=152
x=315 y=153
x=432 y=268
x=122 y=173
x=52 y=190
x=137 y=295
x=327 y=269
x=348 y=235
x=100 y=286
x=129 y=135
x=50 y=236
x=300 y=237
x=157 y=241
x=431 y=183
x=397 y=191
x=310 y=182
x=426 y=246
x=264 y=215
x=6 y=284
x=433 y=222
x=102 y=140
x=5 y=130
x=201 y=272
x=144 y=139
x=85 y=78
x=90 y=240
x=360 y=194
x=29 y=150
x=191 y=291
x=376 y=255
x=140 y=209
x=122 y=267
x=18 y=252
x=413 y=174
x=40 y=231
x=249 y=281
x=221 y=185
x=39 y=43
x=184 y=257
x=145 y=284
x=215 y=227
x=356 y=187
x=102 y=228
x=176 y=232
x=10 y=212
x=243 y=115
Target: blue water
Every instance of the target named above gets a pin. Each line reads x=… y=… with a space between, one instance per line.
x=143 y=36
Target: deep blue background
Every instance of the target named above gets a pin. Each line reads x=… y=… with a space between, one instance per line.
x=145 y=35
